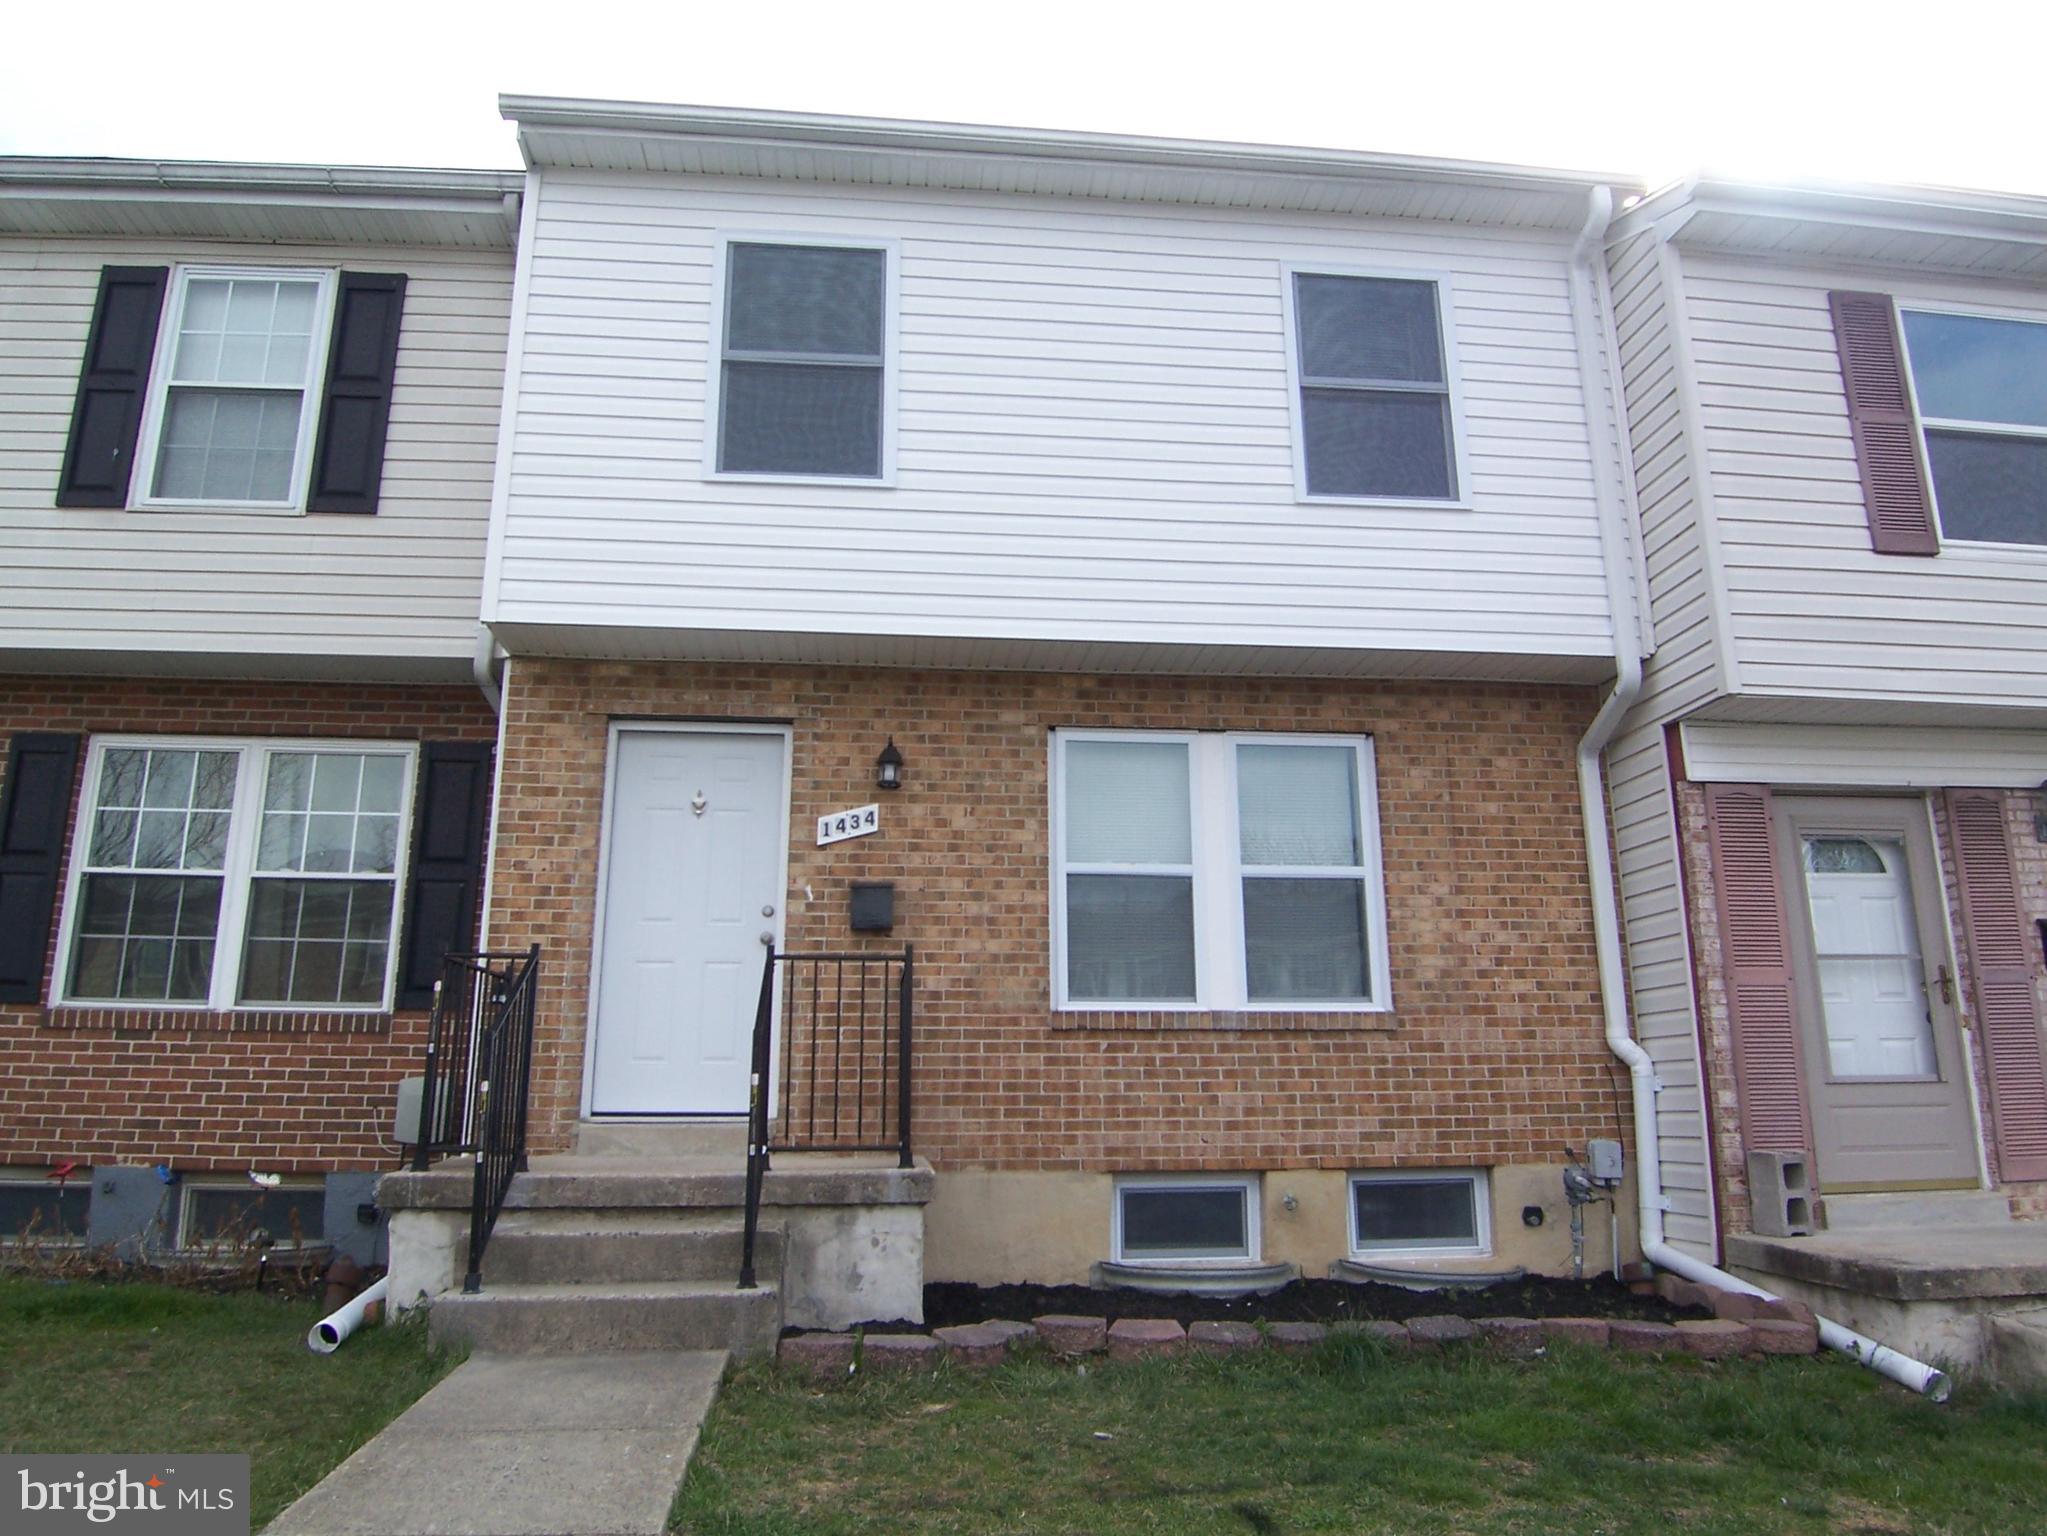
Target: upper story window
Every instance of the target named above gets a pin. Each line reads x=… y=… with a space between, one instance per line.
x=237 y=874
x=1980 y=385
x=1374 y=398
x=803 y=387
x=1217 y=871
x=229 y=422
x=237 y=388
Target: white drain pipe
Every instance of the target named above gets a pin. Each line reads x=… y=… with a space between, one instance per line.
x=328 y=1333
x=1588 y=285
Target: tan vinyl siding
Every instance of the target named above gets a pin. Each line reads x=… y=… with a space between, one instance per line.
x=404 y=583
x=1093 y=443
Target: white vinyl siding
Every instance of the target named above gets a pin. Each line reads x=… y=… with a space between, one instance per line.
x=392 y=594
x=1863 y=756
x=1814 y=611
x=1093 y=439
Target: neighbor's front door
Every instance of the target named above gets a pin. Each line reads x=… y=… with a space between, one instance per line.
x=1885 y=1074
x=692 y=897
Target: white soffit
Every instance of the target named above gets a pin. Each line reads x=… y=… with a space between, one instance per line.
x=1986 y=233
x=1863 y=756
x=709 y=141
x=143 y=199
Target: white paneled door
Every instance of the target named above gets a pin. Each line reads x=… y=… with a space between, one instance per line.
x=692 y=899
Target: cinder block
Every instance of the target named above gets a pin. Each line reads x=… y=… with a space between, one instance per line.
x=1716 y=1339
x=1073 y=1335
x=1139 y=1338
x=1298 y=1338
x=820 y=1356
x=1218 y=1338
x=1780 y=1194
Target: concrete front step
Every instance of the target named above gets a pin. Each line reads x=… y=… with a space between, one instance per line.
x=568 y=1248
x=571 y=1182
x=658 y=1140
x=1914 y=1209
x=643 y=1315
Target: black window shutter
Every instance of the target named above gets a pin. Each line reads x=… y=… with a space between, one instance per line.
x=355 y=408
x=35 y=804
x=113 y=382
x=447 y=863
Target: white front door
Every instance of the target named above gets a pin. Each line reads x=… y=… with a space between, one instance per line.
x=692 y=899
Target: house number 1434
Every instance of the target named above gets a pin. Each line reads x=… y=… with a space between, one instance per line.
x=840 y=825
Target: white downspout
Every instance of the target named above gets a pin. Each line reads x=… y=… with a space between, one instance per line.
x=1588 y=303
x=483 y=666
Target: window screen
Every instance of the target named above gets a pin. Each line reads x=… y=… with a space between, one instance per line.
x=803 y=361
x=44 y=1210
x=1186 y=1221
x=1375 y=393
x=250 y=1217
x=1981 y=385
x=1417 y=1213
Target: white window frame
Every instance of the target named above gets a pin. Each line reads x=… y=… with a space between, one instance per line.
x=714 y=368
x=1249 y=1184
x=20 y=1178
x=1220 y=984
x=1925 y=423
x=1446 y=323
x=143 y=472
x=238 y=871
x=247 y=1189
x=1481 y=1203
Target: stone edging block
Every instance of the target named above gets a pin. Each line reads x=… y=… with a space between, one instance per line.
x=1142 y=1338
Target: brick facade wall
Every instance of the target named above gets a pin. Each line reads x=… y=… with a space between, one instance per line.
x=1731 y=1172
x=303 y=1093
x=1494 y=1051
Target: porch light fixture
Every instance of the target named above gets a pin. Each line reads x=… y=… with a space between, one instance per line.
x=888 y=768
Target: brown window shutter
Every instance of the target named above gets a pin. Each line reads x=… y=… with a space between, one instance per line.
x=1887 y=448
x=1756 y=954
x=2007 y=1013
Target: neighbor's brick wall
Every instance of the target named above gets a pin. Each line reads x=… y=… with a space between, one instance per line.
x=307 y=1093
x=1495 y=1051
x=2030 y=859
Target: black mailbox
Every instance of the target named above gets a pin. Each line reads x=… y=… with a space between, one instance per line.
x=874 y=906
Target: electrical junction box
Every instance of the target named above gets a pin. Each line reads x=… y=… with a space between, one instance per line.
x=1608 y=1163
x=874 y=906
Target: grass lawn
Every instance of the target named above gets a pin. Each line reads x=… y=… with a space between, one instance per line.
x=1352 y=1440
x=89 y=1366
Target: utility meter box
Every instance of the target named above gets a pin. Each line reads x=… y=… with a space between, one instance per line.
x=1608 y=1164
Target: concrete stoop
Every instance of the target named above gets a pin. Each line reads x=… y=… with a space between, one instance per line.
x=638 y=1247
x=1960 y=1285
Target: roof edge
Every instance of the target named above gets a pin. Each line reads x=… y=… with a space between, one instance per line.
x=228 y=180
x=805 y=128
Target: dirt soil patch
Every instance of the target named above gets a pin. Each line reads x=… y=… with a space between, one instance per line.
x=1302 y=1301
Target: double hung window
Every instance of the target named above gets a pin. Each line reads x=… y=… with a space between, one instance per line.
x=231 y=412
x=1980 y=386
x=1375 y=414
x=803 y=367
x=1217 y=871
x=226 y=874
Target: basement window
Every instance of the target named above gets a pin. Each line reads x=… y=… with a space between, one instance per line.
x=39 y=1209
x=1175 y=1219
x=248 y=1216
x=1431 y=1215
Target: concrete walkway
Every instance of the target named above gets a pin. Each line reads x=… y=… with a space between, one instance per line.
x=525 y=1445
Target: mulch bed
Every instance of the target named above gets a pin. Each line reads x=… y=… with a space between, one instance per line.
x=1304 y=1301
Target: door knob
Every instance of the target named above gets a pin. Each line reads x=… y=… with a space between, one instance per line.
x=768 y=910
x=768 y=939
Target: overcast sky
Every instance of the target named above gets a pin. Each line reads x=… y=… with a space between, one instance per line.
x=1952 y=96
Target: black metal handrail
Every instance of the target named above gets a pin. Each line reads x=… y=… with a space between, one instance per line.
x=846 y=1021
x=479 y=1078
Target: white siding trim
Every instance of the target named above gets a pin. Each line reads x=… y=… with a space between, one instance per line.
x=508 y=406
x=1677 y=319
x=1863 y=756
